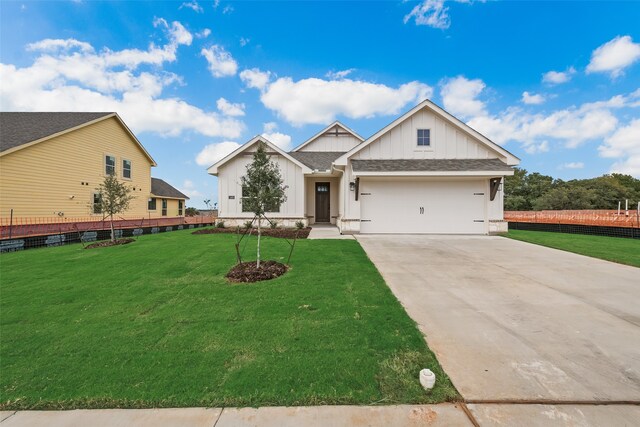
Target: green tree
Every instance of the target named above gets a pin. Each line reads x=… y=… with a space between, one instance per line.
x=191 y=212
x=262 y=189
x=114 y=198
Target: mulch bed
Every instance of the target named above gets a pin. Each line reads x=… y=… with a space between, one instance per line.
x=246 y=272
x=286 y=233
x=110 y=243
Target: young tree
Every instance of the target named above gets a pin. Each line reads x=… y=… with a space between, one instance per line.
x=114 y=198
x=262 y=188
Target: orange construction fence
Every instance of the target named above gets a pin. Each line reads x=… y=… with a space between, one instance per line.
x=611 y=218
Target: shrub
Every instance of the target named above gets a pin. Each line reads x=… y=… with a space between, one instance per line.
x=220 y=224
x=299 y=225
x=248 y=224
x=274 y=224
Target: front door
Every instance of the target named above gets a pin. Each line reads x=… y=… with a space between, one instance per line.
x=322 y=202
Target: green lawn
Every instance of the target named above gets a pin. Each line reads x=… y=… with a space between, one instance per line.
x=616 y=249
x=155 y=324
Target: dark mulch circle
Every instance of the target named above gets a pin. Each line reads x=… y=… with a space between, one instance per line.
x=286 y=233
x=246 y=272
x=110 y=243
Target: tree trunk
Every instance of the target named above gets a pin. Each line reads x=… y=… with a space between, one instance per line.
x=113 y=233
x=259 y=234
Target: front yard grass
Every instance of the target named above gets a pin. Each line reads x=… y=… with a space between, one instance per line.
x=155 y=324
x=616 y=249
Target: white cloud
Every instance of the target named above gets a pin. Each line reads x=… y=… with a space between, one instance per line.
x=203 y=34
x=227 y=10
x=338 y=75
x=70 y=75
x=432 y=13
x=221 y=63
x=189 y=189
x=558 y=77
x=625 y=145
x=280 y=139
x=532 y=99
x=319 y=101
x=193 y=5
x=459 y=96
x=230 y=109
x=614 y=56
x=244 y=41
x=59 y=44
x=534 y=147
x=572 y=165
x=571 y=126
x=211 y=153
x=254 y=78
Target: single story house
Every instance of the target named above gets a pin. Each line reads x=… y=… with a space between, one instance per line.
x=425 y=172
x=51 y=165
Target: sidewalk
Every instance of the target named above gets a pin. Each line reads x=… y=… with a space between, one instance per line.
x=308 y=416
x=327 y=231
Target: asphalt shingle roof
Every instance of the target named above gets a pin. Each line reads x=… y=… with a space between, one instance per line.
x=430 y=165
x=160 y=188
x=21 y=128
x=316 y=160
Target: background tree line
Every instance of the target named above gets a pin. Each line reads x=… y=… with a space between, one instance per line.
x=526 y=191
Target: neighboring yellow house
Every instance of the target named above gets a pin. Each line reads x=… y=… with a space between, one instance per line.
x=52 y=163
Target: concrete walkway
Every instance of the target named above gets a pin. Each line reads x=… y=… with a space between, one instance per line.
x=513 y=322
x=336 y=416
x=326 y=231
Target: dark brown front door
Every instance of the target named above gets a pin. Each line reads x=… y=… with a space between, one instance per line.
x=322 y=202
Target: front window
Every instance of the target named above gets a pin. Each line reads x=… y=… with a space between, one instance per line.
x=180 y=206
x=424 y=137
x=270 y=207
x=152 y=204
x=164 y=207
x=110 y=165
x=126 y=169
x=97 y=201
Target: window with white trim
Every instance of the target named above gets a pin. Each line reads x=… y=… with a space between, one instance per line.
x=109 y=165
x=424 y=137
x=96 y=203
x=126 y=169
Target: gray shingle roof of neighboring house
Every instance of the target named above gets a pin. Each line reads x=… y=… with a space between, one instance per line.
x=430 y=165
x=317 y=160
x=17 y=129
x=161 y=189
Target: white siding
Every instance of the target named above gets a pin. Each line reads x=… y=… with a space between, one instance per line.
x=328 y=142
x=229 y=176
x=447 y=141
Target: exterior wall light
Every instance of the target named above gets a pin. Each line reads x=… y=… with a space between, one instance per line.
x=352 y=186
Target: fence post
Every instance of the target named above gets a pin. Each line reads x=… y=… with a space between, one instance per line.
x=11 y=224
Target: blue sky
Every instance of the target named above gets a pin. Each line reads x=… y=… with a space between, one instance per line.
x=556 y=83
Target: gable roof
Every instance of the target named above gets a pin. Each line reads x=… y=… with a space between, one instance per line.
x=213 y=169
x=511 y=158
x=23 y=129
x=430 y=165
x=325 y=130
x=161 y=188
x=317 y=160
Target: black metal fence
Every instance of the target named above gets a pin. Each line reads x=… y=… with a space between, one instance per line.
x=594 y=230
x=60 y=239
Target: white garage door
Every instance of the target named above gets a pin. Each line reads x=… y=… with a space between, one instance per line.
x=444 y=207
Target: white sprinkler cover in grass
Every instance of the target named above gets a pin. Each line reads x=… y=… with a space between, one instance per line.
x=427 y=379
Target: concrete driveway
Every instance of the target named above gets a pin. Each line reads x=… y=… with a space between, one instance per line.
x=511 y=321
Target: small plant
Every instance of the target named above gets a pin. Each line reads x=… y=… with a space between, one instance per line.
x=248 y=225
x=299 y=225
x=274 y=224
x=220 y=224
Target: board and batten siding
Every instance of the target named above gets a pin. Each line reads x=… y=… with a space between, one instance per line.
x=335 y=143
x=447 y=141
x=229 y=185
x=45 y=179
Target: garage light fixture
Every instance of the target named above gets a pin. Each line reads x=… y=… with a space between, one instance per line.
x=352 y=186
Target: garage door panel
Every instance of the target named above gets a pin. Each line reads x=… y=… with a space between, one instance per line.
x=446 y=207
